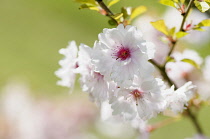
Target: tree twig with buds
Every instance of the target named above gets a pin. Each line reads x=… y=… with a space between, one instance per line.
x=109 y=13
x=165 y=76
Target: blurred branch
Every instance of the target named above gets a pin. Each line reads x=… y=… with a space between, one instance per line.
x=173 y=44
x=194 y=120
x=103 y=6
x=164 y=73
x=109 y=13
x=163 y=123
x=186 y=14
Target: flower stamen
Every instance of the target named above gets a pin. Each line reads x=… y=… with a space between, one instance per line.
x=137 y=95
x=122 y=53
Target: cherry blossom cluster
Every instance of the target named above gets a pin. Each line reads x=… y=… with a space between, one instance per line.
x=117 y=70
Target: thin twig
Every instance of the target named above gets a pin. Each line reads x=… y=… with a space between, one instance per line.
x=182 y=26
x=174 y=42
x=186 y=14
x=163 y=73
x=172 y=48
x=109 y=13
x=165 y=76
x=194 y=120
x=103 y=6
x=164 y=123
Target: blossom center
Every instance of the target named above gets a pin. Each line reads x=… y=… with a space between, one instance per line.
x=123 y=53
x=137 y=94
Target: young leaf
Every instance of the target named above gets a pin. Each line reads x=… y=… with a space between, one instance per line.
x=198 y=29
x=160 y=26
x=204 y=23
x=112 y=22
x=125 y=12
x=137 y=11
x=112 y=2
x=181 y=34
x=85 y=6
x=88 y=2
x=202 y=6
x=167 y=2
x=170 y=59
x=172 y=31
x=117 y=16
x=207 y=1
x=192 y=62
x=182 y=1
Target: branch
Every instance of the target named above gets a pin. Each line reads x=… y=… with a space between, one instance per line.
x=163 y=73
x=194 y=120
x=162 y=68
x=182 y=25
x=186 y=14
x=165 y=76
x=109 y=13
x=163 y=123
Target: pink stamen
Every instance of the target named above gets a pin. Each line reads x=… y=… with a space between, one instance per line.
x=137 y=95
x=122 y=53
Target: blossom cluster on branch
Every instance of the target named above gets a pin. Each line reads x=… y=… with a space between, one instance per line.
x=124 y=70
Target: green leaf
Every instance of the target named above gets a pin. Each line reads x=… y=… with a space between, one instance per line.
x=167 y=2
x=125 y=12
x=117 y=16
x=170 y=59
x=137 y=11
x=112 y=22
x=160 y=26
x=207 y=0
x=181 y=34
x=112 y=2
x=172 y=31
x=198 y=29
x=85 y=6
x=204 y=23
x=182 y=1
x=88 y=2
x=192 y=62
x=202 y=6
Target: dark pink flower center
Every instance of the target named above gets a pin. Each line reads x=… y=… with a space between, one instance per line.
x=122 y=53
x=137 y=94
x=76 y=65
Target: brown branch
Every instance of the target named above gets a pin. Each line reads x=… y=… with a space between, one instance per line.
x=186 y=14
x=163 y=123
x=164 y=73
x=194 y=121
x=109 y=13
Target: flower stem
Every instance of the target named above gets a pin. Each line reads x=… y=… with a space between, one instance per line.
x=194 y=121
x=163 y=73
x=174 y=42
x=164 y=123
x=103 y=6
x=186 y=14
x=109 y=13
